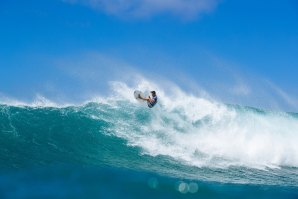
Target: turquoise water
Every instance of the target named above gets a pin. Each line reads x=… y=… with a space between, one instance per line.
x=120 y=149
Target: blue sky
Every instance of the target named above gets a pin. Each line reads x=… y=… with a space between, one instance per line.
x=239 y=51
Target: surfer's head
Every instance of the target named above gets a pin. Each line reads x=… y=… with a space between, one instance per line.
x=153 y=93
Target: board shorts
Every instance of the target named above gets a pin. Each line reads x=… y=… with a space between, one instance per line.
x=150 y=105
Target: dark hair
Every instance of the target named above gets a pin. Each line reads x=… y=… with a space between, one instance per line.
x=153 y=93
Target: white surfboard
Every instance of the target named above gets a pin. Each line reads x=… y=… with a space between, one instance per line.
x=138 y=95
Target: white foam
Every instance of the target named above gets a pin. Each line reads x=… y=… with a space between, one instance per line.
x=203 y=132
x=39 y=101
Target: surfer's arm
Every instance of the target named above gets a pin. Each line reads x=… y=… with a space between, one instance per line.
x=150 y=100
x=147 y=99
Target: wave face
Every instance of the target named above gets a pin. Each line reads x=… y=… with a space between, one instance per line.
x=184 y=136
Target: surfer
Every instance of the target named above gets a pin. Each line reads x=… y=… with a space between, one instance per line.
x=150 y=101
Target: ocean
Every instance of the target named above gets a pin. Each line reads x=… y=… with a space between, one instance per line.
x=115 y=147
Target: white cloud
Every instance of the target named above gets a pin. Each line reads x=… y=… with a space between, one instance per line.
x=186 y=9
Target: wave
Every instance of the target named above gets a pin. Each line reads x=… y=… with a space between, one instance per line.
x=184 y=135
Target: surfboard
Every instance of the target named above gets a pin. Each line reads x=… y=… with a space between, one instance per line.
x=137 y=94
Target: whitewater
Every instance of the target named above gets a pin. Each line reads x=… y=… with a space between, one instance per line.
x=185 y=136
